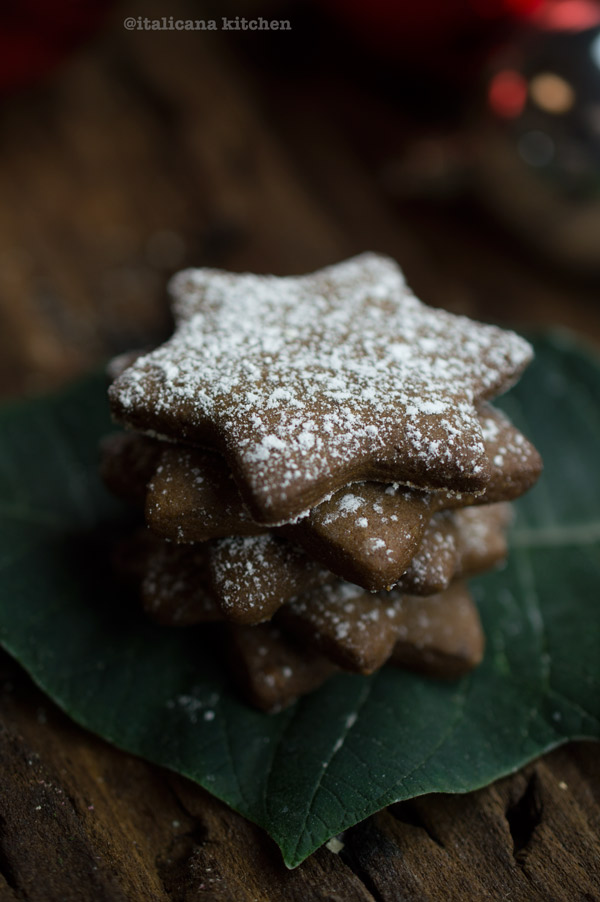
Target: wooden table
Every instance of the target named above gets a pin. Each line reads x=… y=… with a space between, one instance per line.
x=146 y=152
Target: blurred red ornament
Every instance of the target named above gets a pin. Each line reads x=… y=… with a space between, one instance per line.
x=35 y=35
x=528 y=144
x=507 y=93
x=536 y=134
x=567 y=15
x=430 y=31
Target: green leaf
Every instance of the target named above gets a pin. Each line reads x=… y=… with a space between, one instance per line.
x=359 y=743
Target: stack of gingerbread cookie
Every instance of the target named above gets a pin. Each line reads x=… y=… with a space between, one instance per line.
x=320 y=469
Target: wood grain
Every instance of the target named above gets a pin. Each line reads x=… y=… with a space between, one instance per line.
x=148 y=151
x=80 y=820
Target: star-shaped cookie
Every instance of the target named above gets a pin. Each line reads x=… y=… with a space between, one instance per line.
x=440 y=636
x=366 y=533
x=248 y=578
x=309 y=383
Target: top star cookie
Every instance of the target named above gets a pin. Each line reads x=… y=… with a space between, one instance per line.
x=309 y=383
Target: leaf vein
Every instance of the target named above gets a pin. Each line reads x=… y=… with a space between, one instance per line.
x=335 y=751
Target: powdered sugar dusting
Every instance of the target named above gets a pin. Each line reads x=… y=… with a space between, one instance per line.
x=300 y=376
x=252 y=576
x=436 y=561
x=354 y=628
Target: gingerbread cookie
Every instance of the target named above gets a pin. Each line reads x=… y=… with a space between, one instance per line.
x=359 y=631
x=272 y=670
x=298 y=430
x=367 y=533
x=457 y=543
x=307 y=384
x=440 y=638
x=440 y=635
x=250 y=578
x=353 y=629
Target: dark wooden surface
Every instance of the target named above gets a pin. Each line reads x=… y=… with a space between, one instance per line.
x=146 y=152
